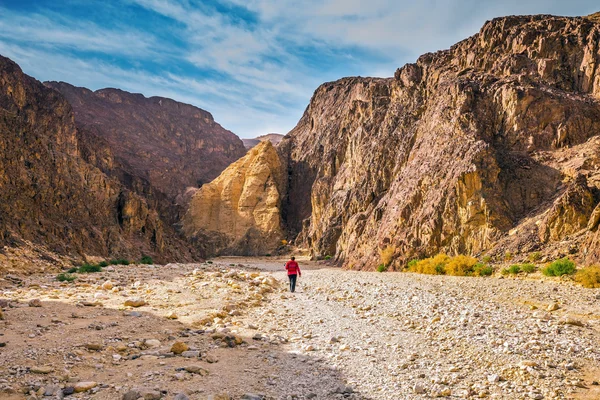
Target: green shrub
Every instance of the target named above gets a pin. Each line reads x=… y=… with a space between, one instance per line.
x=528 y=268
x=535 y=256
x=561 y=267
x=209 y=262
x=486 y=259
x=481 y=269
x=381 y=268
x=89 y=268
x=328 y=257
x=72 y=270
x=412 y=263
x=589 y=277
x=268 y=255
x=65 y=277
x=146 y=260
x=514 y=269
x=505 y=271
x=103 y=264
x=119 y=261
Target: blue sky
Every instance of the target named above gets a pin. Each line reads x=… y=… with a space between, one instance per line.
x=252 y=63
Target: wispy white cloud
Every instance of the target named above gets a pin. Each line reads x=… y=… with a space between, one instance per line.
x=252 y=63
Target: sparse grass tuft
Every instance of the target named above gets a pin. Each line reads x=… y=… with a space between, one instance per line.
x=146 y=260
x=381 y=268
x=486 y=259
x=327 y=257
x=89 y=268
x=535 y=256
x=508 y=256
x=528 y=268
x=387 y=255
x=561 y=267
x=65 y=277
x=589 y=277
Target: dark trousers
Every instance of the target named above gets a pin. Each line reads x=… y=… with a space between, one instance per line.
x=292 y=282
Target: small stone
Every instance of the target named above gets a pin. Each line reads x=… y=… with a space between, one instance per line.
x=135 y=302
x=179 y=347
x=51 y=390
x=493 y=378
x=150 y=394
x=35 y=303
x=152 y=343
x=211 y=359
x=84 y=386
x=527 y=363
x=553 y=307
x=418 y=389
x=344 y=347
x=172 y=315
x=94 y=346
x=191 y=354
x=252 y=396
x=45 y=369
x=131 y=395
x=571 y=321
x=196 y=369
x=108 y=285
x=181 y=396
x=69 y=390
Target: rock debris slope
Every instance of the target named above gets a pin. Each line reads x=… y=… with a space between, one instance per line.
x=489 y=146
x=240 y=211
x=51 y=197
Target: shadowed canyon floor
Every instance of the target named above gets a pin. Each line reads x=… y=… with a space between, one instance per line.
x=343 y=334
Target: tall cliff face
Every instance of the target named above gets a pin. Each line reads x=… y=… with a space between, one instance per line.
x=161 y=147
x=50 y=196
x=488 y=146
x=240 y=211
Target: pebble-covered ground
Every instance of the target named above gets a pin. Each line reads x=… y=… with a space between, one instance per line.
x=229 y=331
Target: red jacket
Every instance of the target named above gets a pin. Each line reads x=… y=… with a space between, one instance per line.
x=293 y=268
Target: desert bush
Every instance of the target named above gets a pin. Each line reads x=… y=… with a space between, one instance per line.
x=72 y=270
x=103 y=264
x=514 y=269
x=119 y=261
x=589 y=277
x=508 y=256
x=89 y=268
x=561 y=267
x=460 y=265
x=381 y=268
x=412 y=263
x=486 y=259
x=209 y=262
x=535 y=256
x=432 y=265
x=328 y=257
x=528 y=268
x=65 y=277
x=146 y=260
x=482 y=269
x=387 y=255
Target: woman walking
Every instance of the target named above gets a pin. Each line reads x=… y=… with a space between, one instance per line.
x=293 y=271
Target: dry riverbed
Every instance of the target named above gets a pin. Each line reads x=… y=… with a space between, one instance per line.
x=230 y=330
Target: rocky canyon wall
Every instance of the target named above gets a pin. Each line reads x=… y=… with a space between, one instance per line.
x=52 y=197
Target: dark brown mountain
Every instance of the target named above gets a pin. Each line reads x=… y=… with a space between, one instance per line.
x=490 y=146
x=159 y=144
x=50 y=196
